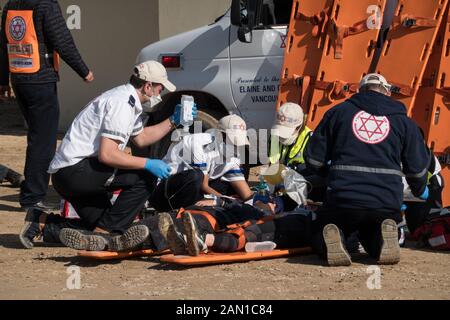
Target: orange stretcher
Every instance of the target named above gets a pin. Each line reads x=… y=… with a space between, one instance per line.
x=347 y=56
x=407 y=50
x=108 y=255
x=223 y=258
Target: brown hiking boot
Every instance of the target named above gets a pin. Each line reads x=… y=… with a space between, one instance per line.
x=174 y=238
x=390 y=250
x=83 y=240
x=131 y=239
x=337 y=255
x=195 y=241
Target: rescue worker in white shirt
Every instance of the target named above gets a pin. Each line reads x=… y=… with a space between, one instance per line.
x=290 y=136
x=91 y=163
x=205 y=164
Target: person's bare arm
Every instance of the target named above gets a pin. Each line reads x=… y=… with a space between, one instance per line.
x=206 y=189
x=110 y=155
x=242 y=189
x=153 y=134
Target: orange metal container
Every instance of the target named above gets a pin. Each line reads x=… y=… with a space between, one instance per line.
x=357 y=55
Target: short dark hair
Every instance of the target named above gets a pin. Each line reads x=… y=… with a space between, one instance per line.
x=136 y=82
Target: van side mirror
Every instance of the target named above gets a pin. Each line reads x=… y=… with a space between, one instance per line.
x=245 y=34
x=244 y=15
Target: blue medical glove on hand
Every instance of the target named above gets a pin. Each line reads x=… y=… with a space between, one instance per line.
x=158 y=168
x=425 y=194
x=403 y=208
x=194 y=111
x=176 y=117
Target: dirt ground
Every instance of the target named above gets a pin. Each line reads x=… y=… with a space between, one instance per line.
x=42 y=273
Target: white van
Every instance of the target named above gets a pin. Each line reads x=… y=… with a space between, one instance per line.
x=232 y=66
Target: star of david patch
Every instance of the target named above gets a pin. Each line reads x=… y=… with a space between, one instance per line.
x=17 y=28
x=370 y=129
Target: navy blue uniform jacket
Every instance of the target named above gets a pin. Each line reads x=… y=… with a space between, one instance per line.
x=365 y=145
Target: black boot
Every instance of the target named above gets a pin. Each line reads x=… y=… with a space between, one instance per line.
x=14 y=178
x=32 y=228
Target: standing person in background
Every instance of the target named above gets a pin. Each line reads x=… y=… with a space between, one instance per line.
x=33 y=36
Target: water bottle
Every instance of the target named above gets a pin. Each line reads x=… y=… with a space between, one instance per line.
x=187 y=103
x=265 y=246
x=263 y=191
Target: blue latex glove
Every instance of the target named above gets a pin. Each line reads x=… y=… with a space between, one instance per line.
x=176 y=117
x=403 y=207
x=425 y=194
x=158 y=168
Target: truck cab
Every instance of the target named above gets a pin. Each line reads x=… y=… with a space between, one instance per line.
x=231 y=66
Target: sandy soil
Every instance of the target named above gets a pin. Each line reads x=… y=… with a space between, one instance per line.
x=41 y=273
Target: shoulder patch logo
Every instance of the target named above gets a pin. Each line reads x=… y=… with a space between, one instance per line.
x=17 y=28
x=132 y=101
x=370 y=129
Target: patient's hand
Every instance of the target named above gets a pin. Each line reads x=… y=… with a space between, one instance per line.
x=206 y=203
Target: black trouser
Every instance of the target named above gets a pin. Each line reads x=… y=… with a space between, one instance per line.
x=292 y=231
x=417 y=212
x=40 y=108
x=83 y=185
x=366 y=222
x=178 y=191
x=3 y=173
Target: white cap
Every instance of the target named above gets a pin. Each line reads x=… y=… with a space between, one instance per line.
x=375 y=78
x=153 y=71
x=289 y=117
x=235 y=129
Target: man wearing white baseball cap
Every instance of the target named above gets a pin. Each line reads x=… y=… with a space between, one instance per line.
x=290 y=136
x=375 y=82
x=92 y=161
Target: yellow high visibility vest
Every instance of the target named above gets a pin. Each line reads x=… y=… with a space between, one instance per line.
x=288 y=155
